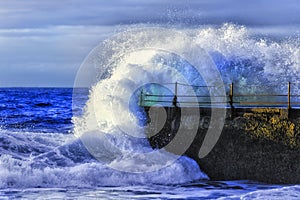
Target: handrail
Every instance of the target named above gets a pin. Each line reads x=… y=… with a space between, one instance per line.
x=232 y=99
x=235 y=85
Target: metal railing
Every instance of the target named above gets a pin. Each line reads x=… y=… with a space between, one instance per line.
x=232 y=98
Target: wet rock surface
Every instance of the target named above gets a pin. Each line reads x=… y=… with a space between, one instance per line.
x=262 y=145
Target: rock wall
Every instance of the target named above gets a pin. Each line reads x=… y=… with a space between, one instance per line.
x=258 y=144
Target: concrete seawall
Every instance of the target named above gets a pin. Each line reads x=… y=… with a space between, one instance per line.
x=261 y=144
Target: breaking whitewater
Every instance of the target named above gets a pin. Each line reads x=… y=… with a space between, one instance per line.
x=89 y=142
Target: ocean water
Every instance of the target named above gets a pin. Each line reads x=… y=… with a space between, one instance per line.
x=89 y=143
x=42 y=159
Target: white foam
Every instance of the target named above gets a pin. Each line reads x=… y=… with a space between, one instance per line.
x=289 y=192
x=15 y=173
x=108 y=117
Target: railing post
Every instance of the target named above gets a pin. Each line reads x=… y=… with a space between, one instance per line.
x=141 y=98
x=175 y=96
x=231 y=100
x=289 y=96
x=176 y=88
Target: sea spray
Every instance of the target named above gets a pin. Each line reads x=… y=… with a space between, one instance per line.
x=124 y=64
x=58 y=159
x=150 y=63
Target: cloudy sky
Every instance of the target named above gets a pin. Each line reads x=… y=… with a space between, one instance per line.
x=43 y=43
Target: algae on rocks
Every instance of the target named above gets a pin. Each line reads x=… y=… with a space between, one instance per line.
x=266 y=123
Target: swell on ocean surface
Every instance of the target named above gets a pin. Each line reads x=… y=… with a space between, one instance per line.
x=101 y=141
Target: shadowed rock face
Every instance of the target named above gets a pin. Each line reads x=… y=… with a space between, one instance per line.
x=258 y=144
x=161 y=137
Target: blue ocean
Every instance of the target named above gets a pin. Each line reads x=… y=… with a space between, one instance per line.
x=42 y=159
x=45 y=155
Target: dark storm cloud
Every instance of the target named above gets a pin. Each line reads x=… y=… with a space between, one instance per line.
x=37 y=13
x=43 y=42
